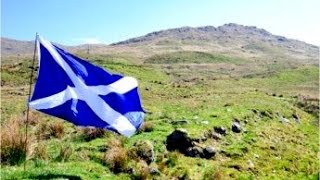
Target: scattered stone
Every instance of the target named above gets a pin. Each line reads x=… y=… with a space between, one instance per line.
x=144 y=149
x=256 y=156
x=236 y=127
x=250 y=164
x=296 y=118
x=221 y=130
x=284 y=120
x=212 y=134
x=204 y=122
x=216 y=136
x=178 y=140
x=194 y=152
x=209 y=152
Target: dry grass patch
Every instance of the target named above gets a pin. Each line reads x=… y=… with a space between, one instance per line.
x=146 y=127
x=12 y=142
x=56 y=129
x=89 y=134
x=65 y=153
x=116 y=158
x=40 y=152
x=46 y=130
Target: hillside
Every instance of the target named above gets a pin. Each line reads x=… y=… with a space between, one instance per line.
x=232 y=39
x=12 y=47
x=232 y=102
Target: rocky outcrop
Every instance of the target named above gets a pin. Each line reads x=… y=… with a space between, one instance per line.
x=181 y=141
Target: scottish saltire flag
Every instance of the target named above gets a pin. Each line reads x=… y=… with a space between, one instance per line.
x=84 y=94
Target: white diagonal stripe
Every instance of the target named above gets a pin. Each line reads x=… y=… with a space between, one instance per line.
x=121 y=86
x=53 y=100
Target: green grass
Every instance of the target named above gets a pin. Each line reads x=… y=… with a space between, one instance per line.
x=193 y=57
x=277 y=150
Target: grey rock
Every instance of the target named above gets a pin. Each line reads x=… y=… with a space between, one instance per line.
x=209 y=152
x=195 y=152
x=220 y=129
x=284 y=120
x=215 y=136
x=236 y=127
x=178 y=140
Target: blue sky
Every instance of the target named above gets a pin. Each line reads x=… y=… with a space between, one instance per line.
x=73 y=22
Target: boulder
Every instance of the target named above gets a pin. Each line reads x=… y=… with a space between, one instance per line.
x=221 y=130
x=236 y=127
x=212 y=134
x=178 y=140
x=194 y=152
x=209 y=152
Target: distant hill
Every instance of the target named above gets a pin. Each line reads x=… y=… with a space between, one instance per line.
x=231 y=39
x=15 y=47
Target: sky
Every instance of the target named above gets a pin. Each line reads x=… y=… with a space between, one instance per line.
x=73 y=22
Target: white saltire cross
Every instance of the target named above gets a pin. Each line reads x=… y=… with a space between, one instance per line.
x=89 y=94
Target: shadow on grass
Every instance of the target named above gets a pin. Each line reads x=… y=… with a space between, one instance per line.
x=55 y=176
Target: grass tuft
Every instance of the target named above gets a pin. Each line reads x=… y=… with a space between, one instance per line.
x=64 y=154
x=40 y=152
x=89 y=134
x=12 y=143
x=56 y=129
x=146 y=127
x=116 y=159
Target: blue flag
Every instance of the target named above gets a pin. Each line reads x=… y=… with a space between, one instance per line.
x=86 y=95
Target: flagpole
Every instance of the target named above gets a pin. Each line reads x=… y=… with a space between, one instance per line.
x=29 y=96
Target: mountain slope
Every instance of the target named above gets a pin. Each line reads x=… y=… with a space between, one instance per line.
x=230 y=39
x=15 y=47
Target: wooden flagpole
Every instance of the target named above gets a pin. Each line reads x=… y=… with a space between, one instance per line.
x=29 y=96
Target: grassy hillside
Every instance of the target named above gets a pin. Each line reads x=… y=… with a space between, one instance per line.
x=192 y=57
x=190 y=90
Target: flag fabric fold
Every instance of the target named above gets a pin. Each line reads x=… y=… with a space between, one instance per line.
x=73 y=89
